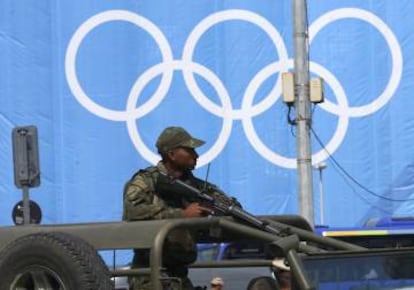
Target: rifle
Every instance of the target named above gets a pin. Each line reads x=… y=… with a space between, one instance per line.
x=228 y=206
x=223 y=205
x=209 y=196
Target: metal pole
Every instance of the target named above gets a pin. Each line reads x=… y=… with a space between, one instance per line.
x=26 y=205
x=321 y=197
x=302 y=106
x=320 y=167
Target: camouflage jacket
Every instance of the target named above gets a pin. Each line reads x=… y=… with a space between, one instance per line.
x=142 y=202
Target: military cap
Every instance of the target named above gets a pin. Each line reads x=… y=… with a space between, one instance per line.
x=173 y=137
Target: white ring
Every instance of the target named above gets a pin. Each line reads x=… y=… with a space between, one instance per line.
x=392 y=44
x=224 y=135
x=206 y=24
x=275 y=158
x=75 y=42
x=248 y=110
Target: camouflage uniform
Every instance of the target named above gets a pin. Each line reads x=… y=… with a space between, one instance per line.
x=141 y=202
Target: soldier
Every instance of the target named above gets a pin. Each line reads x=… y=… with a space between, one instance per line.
x=143 y=201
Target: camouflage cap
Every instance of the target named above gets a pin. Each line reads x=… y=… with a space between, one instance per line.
x=173 y=137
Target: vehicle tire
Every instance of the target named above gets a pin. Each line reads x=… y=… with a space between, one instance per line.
x=55 y=261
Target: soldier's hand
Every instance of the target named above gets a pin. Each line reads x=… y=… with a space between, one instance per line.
x=195 y=210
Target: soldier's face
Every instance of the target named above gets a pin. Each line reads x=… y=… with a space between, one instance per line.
x=184 y=158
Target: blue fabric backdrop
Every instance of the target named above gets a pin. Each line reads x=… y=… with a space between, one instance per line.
x=101 y=79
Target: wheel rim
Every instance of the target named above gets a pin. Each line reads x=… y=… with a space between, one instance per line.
x=37 y=277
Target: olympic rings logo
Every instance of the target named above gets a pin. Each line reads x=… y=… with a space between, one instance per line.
x=248 y=110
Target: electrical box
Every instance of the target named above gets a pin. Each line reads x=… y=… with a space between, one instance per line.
x=288 y=88
x=316 y=90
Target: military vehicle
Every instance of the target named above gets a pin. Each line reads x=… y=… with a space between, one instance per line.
x=66 y=256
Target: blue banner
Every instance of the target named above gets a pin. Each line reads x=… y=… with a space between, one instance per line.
x=101 y=79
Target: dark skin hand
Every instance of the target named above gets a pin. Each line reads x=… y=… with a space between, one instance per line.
x=179 y=161
x=195 y=210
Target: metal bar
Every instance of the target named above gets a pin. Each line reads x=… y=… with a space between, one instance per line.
x=260 y=234
x=312 y=237
x=156 y=250
x=103 y=236
x=130 y=272
x=296 y=268
x=233 y=263
x=206 y=264
x=26 y=205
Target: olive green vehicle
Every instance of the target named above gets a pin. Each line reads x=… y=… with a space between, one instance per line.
x=66 y=257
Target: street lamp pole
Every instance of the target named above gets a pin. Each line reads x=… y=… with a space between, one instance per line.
x=320 y=167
